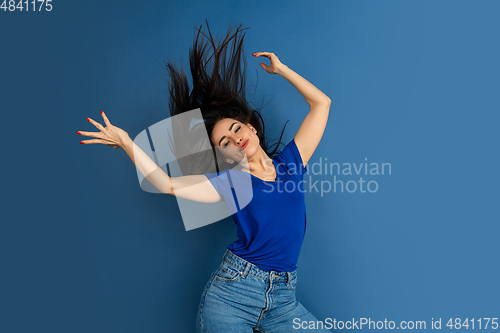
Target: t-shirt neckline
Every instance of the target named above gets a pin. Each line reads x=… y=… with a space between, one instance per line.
x=269 y=181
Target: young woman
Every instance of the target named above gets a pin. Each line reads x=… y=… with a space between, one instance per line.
x=253 y=290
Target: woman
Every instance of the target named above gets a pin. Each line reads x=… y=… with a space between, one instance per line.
x=254 y=287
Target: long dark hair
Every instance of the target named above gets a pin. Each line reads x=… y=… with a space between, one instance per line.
x=219 y=91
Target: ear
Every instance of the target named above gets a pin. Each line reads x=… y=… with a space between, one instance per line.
x=251 y=127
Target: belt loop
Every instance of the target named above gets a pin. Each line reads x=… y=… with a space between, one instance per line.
x=245 y=272
x=287 y=278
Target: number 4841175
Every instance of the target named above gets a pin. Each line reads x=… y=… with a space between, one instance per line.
x=35 y=5
x=482 y=323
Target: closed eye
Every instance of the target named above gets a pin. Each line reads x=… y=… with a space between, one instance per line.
x=236 y=131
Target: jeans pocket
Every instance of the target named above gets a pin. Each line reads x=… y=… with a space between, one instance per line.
x=227 y=273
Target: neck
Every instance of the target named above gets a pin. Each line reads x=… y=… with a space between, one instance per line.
x=260 y=162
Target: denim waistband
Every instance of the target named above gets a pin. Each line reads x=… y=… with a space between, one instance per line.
x=246 y=267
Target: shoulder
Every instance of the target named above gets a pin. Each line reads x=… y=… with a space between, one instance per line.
x=290 y=156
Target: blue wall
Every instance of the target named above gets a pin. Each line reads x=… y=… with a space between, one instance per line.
x=413 y=83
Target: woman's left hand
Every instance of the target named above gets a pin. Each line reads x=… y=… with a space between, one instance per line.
x=275 y=62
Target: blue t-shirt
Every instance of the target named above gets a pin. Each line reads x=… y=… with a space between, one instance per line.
x=271 y=227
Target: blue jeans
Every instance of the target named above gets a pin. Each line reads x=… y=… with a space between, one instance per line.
x=240 y=297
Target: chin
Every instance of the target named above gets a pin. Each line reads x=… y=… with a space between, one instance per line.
x=250 y=151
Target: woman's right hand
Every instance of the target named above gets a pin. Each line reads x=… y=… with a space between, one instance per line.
x=111 y=135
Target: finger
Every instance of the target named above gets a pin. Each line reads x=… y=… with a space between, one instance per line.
x=94 y=141
x=108 y=142
x=257 y=54
x=268 y=55
x=91 y=134
x=106 y=120
x=95 y=123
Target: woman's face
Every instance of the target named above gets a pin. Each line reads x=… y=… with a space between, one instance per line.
x=235 y=139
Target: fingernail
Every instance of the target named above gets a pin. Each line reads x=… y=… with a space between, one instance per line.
x=78 y=132
x=81 y=142
x=101 y=111
x=87 y=119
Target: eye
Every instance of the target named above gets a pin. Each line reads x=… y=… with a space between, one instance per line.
x=227 y=142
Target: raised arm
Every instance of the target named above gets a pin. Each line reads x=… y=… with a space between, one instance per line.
x=196 y=187
x=313 y=126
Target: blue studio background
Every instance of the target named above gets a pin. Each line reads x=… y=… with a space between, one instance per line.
x=413 y=83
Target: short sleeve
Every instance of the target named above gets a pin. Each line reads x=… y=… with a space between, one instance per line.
x=290 y=156
x=220 y=182
x=230 y=185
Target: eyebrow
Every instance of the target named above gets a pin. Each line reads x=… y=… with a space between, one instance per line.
x=229 y=131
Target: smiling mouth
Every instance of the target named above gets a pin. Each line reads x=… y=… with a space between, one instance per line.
x=244 y=145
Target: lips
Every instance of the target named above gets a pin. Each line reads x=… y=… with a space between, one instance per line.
x=244 y=144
